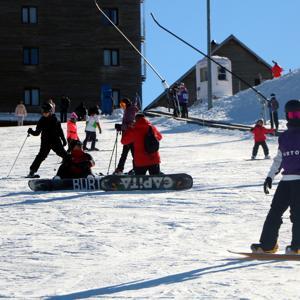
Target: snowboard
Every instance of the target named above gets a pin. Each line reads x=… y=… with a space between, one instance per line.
x=79 y=184
x=267 y=256
x=179 y=181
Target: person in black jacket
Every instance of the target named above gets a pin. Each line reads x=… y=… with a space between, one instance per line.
x=52 y=138
x=64 y=106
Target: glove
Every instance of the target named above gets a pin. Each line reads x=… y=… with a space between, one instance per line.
x=64 y=142
x=267 y=185
x=118 y=127
x=29 y=131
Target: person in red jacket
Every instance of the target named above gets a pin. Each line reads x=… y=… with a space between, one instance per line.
x=259 y=132
x=276 y=70
x=135 y=135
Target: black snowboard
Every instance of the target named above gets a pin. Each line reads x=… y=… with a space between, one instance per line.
x=146 y=182
x=80 y=184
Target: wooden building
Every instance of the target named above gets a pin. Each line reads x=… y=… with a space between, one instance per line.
x=245 y=63
x=54 y=48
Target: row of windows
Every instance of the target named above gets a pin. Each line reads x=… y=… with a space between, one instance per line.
x=32 y=97
x=29 y=15
x=110 y=56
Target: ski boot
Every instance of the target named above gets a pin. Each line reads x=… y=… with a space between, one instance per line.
x=257 y=248
x=32 y=175
x=252 y=157
x=118 y=172
x=291 y=251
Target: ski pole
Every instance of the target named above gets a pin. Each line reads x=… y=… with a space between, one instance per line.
x=116 y=154
x=112 y=153
x=17 y=156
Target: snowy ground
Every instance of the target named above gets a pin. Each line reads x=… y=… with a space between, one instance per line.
x=75 y=245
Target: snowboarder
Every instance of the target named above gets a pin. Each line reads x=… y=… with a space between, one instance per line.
x=135 y=135
x=130 y=110
x=183 y=98
x=273 y=107
x=288 y=190
x=52 y=138
x=77 y=165
x=64 y=106
x=20 y=113
x=259 y=132
x=72 y=134
x=92 y=122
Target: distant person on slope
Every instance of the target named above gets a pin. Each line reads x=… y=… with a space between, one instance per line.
x=273 y=105
x=52 y=138
x=143 y=161
x=183 y=98
x=20 y=113
x=259 y=132
x=288 y=189
x=276 y=70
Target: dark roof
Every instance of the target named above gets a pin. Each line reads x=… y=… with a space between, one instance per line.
x=232 y=37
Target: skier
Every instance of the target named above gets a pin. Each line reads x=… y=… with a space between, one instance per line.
x=92 y=123
x=130 y=110
x=183 y=98
x=77 y=165
x=173 y=95
x=72 y=130
x=259 y=132
x=273 y=107
x=64 y=106
x=52 y=138
x=20 y=113
x=135 y=135
x=288 y=190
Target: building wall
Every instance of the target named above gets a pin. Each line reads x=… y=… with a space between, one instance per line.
x=244 y=64
x=71 y=38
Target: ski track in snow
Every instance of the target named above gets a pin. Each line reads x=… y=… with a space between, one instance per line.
x=75 y=245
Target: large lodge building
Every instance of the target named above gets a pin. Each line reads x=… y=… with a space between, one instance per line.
x=51 y=48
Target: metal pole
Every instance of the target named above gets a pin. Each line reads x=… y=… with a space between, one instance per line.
x=209 y=73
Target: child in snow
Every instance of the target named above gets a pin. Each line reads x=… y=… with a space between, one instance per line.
x=259 y=132
x=72 y=134
x=288 y=190
x=92 y=123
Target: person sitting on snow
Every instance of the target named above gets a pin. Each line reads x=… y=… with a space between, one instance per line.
x=78 y=164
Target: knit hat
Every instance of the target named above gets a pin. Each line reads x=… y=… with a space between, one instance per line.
x=74 y=116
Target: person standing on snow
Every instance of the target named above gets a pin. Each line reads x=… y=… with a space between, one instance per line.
x=52 y=138
x=288 y=190
x=20 y=113
x=259 y=132
x=72 y=134
x=273 y=107
x=130 y=110
x=135 y=135
x=276 y=70
x=64 y=106
x=183 y=98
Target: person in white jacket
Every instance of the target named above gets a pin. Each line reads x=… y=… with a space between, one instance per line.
x=20 y=113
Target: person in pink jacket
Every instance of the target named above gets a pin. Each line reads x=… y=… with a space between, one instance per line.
x=20 y=113
x=72 y=134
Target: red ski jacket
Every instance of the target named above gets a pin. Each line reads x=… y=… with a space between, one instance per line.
x=136 y=136
x=260 y=132
x=276 y=70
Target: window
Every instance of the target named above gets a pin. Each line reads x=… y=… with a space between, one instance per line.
x=221 y=73
x=110 y=57
x=203 y=74
x=32 y=96
x=116 y=98
x=30 y=56
x=29 y=15
x=113 y=15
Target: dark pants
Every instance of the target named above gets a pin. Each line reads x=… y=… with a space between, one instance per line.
x=65 y=171
x=286 y=195
x=90 y=136
x=153 y=170
x=264 y=146
x=274 y=119
x=125 y=151
x=63 y=116
x=45 y=148
x=184 y=110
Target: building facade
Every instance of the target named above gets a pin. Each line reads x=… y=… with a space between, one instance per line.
x=54 y=48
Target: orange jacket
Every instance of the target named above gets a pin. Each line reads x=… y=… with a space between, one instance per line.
x=136 y=136
x=72 y=131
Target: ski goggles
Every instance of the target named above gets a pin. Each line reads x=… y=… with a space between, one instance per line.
x=293 y=115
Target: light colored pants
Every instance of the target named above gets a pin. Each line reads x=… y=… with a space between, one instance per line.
x=20 y=120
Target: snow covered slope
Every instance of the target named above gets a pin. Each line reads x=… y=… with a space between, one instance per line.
x=76 y=245
x=244 y=107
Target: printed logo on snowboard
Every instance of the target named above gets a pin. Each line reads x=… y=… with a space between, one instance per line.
x=133 y=183
x=86 y=184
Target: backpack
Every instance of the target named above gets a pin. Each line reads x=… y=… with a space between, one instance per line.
x=151 y=143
